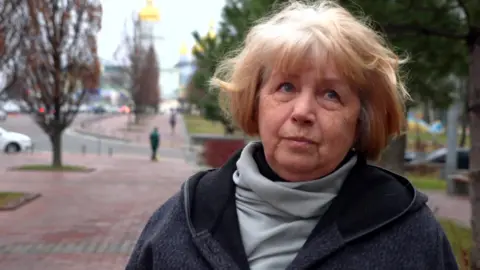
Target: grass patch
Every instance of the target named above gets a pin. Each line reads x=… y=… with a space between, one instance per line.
x=10 y=201
x=427 y=182
x=198 y=125
x=7 y=197
x=50 y=168
x=460 y=239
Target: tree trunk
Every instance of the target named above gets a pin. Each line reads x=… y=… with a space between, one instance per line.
x=464 y=123
x=56 y=140
x=474 y=109
x=426 y=112
x=393 y=158
x=228 y=127
x=229 y=130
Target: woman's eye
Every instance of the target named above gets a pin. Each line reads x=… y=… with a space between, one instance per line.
x=332 y=94
x=286 y=87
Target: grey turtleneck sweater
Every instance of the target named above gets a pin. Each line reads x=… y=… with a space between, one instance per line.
x=276 y=218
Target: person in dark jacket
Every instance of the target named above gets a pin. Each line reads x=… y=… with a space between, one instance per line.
x=154 y=143
x=173 y=120
x=322 y=92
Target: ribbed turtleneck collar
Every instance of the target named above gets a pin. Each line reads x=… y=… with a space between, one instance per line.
x=285 y=199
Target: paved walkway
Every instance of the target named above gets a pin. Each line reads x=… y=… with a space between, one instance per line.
x=451 y=207
x=83 y=220
x=116 y=127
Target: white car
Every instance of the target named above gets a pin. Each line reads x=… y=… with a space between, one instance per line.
x=111 y=108
x=11 y=107
x=3 y=115
x=13 y=142
x=84 y=108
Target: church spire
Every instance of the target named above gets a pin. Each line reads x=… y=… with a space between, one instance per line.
x=183 y=49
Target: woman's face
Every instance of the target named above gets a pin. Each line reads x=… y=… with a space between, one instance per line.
x=307 y=122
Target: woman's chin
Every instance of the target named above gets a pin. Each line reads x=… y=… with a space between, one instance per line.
x=300 y=159
x=300 y=166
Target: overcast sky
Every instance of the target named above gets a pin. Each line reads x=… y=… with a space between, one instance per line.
x=178 y=19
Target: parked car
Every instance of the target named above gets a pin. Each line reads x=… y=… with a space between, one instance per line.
x=409 y=156
x=13 y=142
x=3 y=115
x=111 y=109
x=11 y=107
x=84 y=108
x=124 y=109
x=439 y=157
x=99 y=110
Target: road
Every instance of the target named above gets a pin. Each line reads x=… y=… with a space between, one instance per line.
x=75 y=143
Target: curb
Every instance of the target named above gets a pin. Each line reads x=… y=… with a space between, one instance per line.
x=100 y=135
x=83 y=131
x=80 y=130
x=97 y=118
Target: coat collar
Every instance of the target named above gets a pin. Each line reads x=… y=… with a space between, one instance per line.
x=369 y=199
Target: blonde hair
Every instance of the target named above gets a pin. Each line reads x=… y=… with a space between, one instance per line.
x=312 y=34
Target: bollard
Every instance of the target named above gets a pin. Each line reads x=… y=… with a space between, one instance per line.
x=84 y=149
x=32 y=149
x=110 y=151
x=99 y=147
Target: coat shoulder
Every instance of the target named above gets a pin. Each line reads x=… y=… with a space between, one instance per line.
x=420 y=234
x=165 y=236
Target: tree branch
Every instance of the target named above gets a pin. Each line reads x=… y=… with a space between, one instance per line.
x=399 y=29
x=60 y=60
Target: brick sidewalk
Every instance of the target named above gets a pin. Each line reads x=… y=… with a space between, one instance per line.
x=116 y=128
x=83 y=220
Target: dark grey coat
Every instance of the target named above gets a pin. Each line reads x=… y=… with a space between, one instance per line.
x=377 y=221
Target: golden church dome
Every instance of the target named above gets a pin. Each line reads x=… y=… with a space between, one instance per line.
x=149 y=13
x=211 y=30
x=210 y=35
x=183 y=49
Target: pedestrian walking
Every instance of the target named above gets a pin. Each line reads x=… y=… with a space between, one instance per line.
x=173 y=120
x=154 y=143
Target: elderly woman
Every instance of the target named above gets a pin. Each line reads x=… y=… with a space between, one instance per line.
x=322 y=91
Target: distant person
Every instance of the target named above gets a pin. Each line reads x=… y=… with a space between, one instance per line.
x=154 y=143
x=173 y=120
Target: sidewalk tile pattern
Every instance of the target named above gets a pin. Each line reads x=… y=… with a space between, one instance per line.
x=82 y=220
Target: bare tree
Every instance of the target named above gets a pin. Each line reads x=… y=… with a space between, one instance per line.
x=12 y=26
x=60 y=62
x=132 y=55
x=149 y=92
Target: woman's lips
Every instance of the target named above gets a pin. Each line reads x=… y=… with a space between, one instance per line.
x=300 y=140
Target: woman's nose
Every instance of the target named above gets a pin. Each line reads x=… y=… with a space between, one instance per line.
x=304 y=109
